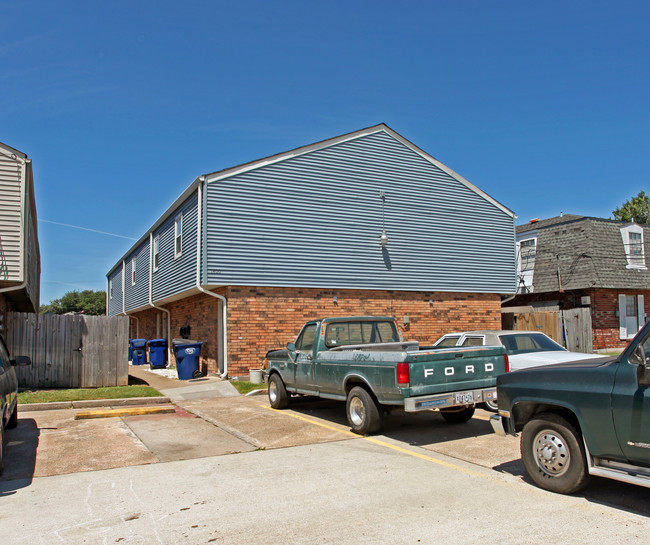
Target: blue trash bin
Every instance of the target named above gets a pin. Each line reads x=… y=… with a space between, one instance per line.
x=130 y=350
x=157 y=353
x=187 y=360
x=139 y=351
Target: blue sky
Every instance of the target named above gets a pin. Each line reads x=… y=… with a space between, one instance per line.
x=543 y=105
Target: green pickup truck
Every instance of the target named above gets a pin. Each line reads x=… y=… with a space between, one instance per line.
x=582 y=418
x=362 y=360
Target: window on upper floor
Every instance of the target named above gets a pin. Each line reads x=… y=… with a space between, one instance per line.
x=156 y=253
x=632 y=236
x=527 y=252
x=110 y=289
x=178 y=236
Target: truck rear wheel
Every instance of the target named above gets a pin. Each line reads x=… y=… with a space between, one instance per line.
x=278 y=396
x=553 y=454
x=364 y=414
x=458 y=415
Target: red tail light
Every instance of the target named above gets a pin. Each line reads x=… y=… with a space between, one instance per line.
x=403 y=377
x=507 y=362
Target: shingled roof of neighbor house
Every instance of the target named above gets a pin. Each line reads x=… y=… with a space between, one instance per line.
x=577 y=252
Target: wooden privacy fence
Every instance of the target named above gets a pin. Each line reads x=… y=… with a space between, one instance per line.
x=571 y=328
x=70 y=351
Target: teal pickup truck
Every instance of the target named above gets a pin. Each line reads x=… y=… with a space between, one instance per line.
x=582 y=418
x=362 y=360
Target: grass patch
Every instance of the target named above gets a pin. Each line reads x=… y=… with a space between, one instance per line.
x=244 y=387
x=79 y=394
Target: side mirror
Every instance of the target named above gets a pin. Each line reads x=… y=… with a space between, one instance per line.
x=291 y=347
x=21 y=361
x=638 y=356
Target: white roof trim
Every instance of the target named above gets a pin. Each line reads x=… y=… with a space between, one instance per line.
x=446 y=169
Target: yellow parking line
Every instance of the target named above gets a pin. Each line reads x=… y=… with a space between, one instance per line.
x=381 y=443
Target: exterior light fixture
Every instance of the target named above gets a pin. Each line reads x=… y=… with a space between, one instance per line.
x=383 y=239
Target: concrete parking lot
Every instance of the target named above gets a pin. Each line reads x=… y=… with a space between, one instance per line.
x=288 y=458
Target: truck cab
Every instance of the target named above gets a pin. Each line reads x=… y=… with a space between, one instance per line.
x=582 y=418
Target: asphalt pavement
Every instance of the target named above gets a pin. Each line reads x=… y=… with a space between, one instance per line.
x=229 y=469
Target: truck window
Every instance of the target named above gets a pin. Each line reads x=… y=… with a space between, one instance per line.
x=306 y=338
x=447 y=341
x=346 y=333
x=386 y=333
x=473 y=341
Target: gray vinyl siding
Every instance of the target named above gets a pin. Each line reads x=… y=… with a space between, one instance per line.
x=11 y=227
x=175 y=275
x=314 y=221
x=115 y=302
x=137 y=296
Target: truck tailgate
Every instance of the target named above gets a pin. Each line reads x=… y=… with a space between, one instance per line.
x=454 y=369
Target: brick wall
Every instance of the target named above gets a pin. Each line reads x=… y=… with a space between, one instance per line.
x=605 y=320
x=261 y=319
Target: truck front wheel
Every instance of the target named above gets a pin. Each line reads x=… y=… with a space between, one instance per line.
x=278 y=396
x=364 y=414
x=458 y=415
x=553 y=454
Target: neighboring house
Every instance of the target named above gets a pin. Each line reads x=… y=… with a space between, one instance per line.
x=364 y=223
x=574 y=261
x=20 y=260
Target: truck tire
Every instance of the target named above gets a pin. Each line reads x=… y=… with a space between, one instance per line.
x=13 y=419
x=554 y=455
x=278 y=396
x=458 y=415
x=363 y=412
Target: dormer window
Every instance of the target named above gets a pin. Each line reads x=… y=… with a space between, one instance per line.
x=632 y=236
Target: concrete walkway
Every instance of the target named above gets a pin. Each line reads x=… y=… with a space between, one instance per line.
x=209 y=387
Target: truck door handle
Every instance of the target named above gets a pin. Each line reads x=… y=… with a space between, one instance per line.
x=459 y=355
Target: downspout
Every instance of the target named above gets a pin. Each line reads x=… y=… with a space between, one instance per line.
x=123 y=289
x=223 y=342
x=169 y=314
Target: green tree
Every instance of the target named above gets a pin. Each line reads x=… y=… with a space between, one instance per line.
x=637 y=209
x=88 y=302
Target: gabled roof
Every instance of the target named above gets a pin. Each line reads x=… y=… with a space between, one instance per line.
x=586 y=252
x=9 y=151
x=215 y=176
x=232 y=171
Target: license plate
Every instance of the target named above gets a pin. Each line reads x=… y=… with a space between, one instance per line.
x=464 y=398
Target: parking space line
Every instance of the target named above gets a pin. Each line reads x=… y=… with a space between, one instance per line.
x=382 y=443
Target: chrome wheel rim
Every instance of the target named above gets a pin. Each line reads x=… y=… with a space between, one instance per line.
x=357 y=411
x=551 y=453
x=273 y=391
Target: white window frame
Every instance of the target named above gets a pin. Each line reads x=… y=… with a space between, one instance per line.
x=634 y=260
x=110 y=289
x=133 y=262
x=156 y=252
x=178 y=236
x=624 y=331
x=525 y=276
